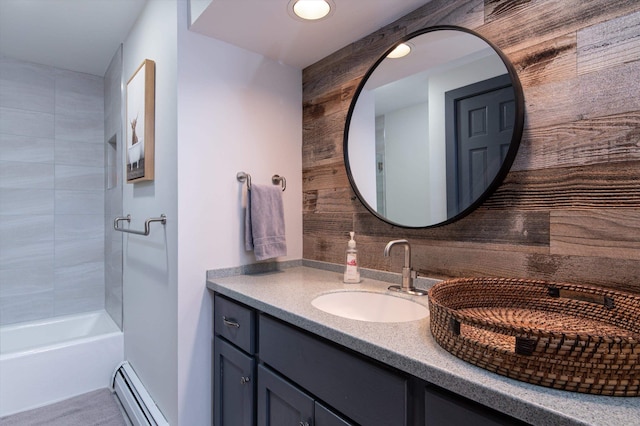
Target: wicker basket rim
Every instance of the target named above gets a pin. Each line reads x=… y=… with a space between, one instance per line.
x=632 y=338
x=559 y=284
x=514 y=330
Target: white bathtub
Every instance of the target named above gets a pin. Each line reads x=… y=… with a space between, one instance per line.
x=46 y=361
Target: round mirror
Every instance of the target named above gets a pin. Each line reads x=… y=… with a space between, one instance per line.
x=431 y=134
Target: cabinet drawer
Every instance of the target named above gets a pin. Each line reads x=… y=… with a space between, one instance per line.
x=443 y=408
x=355 y=387
x=234 y=322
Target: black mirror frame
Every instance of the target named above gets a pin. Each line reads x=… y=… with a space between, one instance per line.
x=513 y=146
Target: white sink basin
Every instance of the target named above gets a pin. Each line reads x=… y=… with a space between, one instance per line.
x=368 y=306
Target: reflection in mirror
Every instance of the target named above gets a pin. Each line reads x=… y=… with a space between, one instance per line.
x=431 y=134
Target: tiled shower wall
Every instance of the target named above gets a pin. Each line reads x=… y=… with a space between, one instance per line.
x=51 y=192
x=113 y=193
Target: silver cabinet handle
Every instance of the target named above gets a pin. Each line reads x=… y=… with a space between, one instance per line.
x=244 y=380
x=230 y=322
x=304 y=423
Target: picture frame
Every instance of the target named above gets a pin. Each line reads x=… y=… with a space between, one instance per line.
x=140 y=125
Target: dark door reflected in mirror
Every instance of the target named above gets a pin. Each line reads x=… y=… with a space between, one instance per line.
x=430 y=135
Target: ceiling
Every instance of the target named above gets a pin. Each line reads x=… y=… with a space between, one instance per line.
x=83 y=35
x=266 y=27
x=80 y=35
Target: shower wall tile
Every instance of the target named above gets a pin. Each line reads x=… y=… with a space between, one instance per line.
x=79 y=287
x=80 y=126
x=113 y=201
x=112 y=119
x=25 y=241
x=19 y=175
x=89 y=297
x=26 y=123
x=79 y=202
x=79 y=227
x=81 y=275
x=78 y=92
x=113 y=303
x=26 y=149
x=26 y=307
x=77 y=252
x=113 y=193
x=52 y=197
x=26 y=201
x=25 y=228
x=79 y=107
x=114 y=251
x=25 y=85
x=17 y=282
x=79 y=153
x=27 y=255
x=79 y=178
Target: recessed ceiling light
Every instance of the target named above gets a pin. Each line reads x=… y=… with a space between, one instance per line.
x=311 y=10
x=401 y=50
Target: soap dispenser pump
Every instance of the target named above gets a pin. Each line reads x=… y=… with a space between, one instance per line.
x=352 y=270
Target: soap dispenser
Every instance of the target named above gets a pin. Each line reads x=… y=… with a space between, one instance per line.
x=352 y=270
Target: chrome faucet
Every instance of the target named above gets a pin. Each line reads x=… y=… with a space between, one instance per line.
x=408 y=274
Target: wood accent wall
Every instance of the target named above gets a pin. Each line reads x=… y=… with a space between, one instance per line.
x=569 y=208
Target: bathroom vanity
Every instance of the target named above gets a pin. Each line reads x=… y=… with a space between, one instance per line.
x=279 y=360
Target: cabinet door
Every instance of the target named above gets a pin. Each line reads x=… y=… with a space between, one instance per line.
x=233 y=389
x=326 y=417
x=362 y=390
x=280 y=403
x=443 y=408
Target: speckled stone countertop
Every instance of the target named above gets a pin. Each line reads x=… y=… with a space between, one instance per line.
x=409 y=346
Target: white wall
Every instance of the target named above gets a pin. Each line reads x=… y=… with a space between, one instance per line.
x=362 y=147
x=219 y=109
x=150 y=273
x=196 y=7
x=236 y=111
x=407 y=149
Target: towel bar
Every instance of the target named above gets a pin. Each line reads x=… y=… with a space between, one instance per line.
x=275 y=179
x=117 y=220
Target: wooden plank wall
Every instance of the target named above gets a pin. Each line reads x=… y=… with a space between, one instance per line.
x=569 y=208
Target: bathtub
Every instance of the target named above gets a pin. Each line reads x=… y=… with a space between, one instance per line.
x=46 y=361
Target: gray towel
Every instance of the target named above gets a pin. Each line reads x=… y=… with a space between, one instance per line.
x=264 y=222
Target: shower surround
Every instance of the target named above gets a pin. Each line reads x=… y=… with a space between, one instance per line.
x=52 y=180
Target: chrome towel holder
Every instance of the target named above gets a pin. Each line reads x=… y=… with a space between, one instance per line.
x=275 y=179
x=162 y=219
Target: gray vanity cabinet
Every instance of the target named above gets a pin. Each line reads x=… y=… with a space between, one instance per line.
x=234 y=364
x=271 y=373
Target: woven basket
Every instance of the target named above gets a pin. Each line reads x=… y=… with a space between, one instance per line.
x=564 y=336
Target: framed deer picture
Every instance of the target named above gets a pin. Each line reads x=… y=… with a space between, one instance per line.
x=140 y=123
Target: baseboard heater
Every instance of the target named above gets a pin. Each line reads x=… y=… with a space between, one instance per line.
x=135 y=399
